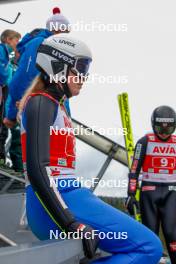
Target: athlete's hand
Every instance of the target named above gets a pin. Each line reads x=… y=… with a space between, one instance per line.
x=9 y=123
x=131 y=203
x=89 y=238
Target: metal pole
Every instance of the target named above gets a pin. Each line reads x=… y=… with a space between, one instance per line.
x=105 y=166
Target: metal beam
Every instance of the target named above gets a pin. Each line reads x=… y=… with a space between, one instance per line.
x=99 y=142
x=104 y=167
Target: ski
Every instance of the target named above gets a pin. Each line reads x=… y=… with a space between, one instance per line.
x=123 y=103
x=126 y=123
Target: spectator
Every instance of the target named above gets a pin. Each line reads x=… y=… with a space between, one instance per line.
x=9 y=40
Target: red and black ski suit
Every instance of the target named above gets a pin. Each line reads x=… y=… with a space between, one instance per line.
x=157 y=161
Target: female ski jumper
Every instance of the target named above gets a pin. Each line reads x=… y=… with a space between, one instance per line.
x=70 y=207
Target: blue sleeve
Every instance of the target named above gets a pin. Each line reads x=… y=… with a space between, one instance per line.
x=26 y=71
x=23 y=77
x=3 y=66
x=10 y=108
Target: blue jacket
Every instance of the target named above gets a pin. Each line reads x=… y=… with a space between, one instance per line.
x=5 y=66
x=27 y=70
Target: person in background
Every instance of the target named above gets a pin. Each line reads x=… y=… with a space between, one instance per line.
x=9 y=41
x=155 y=155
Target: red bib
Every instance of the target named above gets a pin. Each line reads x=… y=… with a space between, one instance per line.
x=62 y=144
x=160 y=160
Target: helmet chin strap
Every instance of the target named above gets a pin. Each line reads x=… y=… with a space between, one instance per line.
x=65 y=86
x=66 y=90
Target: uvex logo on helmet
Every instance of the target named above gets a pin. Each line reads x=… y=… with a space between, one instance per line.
x=66 y=42
x=164 y=150
x=64 y=57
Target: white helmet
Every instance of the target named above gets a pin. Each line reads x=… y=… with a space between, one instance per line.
x=58 y=53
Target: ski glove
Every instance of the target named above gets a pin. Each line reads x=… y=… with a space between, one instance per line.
x=132 y=184
x=131 y=203
x=89 y=238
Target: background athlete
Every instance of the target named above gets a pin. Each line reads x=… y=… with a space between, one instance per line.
x=155 y=155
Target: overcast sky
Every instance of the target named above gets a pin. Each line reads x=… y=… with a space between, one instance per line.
x=144 y=54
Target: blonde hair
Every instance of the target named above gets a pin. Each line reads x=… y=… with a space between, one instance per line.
x=36 y=86
x=8 y=33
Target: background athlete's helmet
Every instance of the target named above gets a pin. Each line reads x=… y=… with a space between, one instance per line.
x=164 y=120
x=58 y=53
